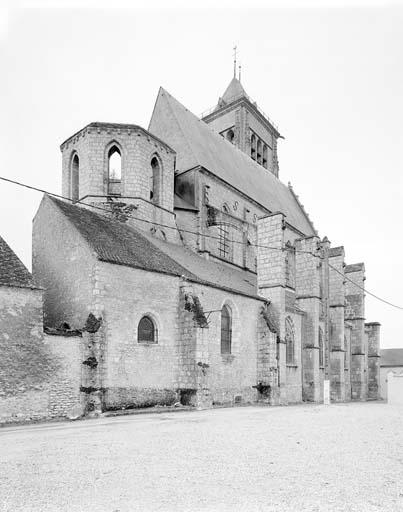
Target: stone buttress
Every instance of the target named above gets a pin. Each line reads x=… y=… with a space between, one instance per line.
x=372 y=331
x=308 y=297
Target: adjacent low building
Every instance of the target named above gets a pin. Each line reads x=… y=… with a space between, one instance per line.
x=391 y=362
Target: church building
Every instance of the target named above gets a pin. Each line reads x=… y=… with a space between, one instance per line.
x=205 y=275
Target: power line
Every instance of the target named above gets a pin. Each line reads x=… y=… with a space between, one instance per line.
x=364 y=289
x=153 y=222
x=205 y=235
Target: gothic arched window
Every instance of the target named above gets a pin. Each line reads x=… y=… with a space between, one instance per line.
x=114 y=171
x=253 y=146
x=225 y=241
x=226 y=330
x=259 y=151
x=265 y=156
x=146 y=330
x=230 y=136
x=75 y=178
x=321 y=349
x=155 y=180
x=290 y=341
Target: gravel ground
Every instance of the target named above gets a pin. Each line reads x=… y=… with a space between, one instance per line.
x=345 y=457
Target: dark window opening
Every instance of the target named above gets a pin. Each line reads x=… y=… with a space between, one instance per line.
x=75 y=178
x=146 y=331
x=290 y=341
x=155 y=180
x=230 y=136
x=226 y=330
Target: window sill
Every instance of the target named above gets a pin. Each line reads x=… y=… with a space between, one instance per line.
x=291 y=365
x=147 y=343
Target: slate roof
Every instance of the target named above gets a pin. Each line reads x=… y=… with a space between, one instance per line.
x=12 y=271
x=355 y=267
x=392 y=357
x=118 y=243
x=234 y=90
x=197 y=144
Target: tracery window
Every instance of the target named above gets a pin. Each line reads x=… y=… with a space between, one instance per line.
x=321 y=348
x=147 y=330
x=290 y=341
x=75 y=178
x=225 y=241
x=226 y=330
x=114 y=171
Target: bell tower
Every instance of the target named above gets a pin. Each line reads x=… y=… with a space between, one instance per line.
x=238 y=119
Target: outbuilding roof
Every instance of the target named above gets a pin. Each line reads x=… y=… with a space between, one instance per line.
x=12 y=271
x=197 y=144
x=392 y=357
x=121 y=244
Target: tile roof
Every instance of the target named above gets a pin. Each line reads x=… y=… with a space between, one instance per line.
x=12 y=271
x=234 y=90
x=197 y=144
x=118 y=243
x=392 y=357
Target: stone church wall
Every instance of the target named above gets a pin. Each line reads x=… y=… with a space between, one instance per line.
x=64 y=266
x=137 y=374
x=39 y=374
x=230 y=377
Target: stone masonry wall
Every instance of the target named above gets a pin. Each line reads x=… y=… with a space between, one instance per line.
x=308 y=297
x=64 y=266
x=355 y=315
x=137 y=374
x=373 y=336
x=39 y=374
x=337 y=306
x=137 y=149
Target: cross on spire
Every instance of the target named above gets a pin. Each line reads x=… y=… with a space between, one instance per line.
x=235 y=54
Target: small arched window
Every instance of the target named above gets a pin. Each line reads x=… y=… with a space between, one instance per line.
x=321 y=349
x=75 y=178
x=155 y=180
x=226 y=330
x=290 y=341
x=114 y=171
x=253 y=146
x=146 y=331
x=230 y=136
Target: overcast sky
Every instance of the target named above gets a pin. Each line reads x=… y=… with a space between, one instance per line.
x=332 y=79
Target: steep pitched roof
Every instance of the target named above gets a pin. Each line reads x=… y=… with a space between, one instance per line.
x=234 y=90
x=392 y=357
x=197 y=144
x=12 y=271
x=118 y=243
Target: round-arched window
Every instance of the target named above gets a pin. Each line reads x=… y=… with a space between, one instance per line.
x=147 y=330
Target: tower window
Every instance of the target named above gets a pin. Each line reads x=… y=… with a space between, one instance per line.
x=321 y=349
x=264 y=162
x=75 y=178
x=155 y=180
x=259 y=151
x=114 y=172
x=253 y=146
x=226 y=330
x=230 y=136
x=146 y=330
